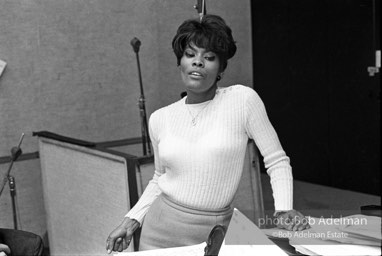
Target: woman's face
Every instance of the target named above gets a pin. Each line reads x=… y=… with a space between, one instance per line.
x=199 y=69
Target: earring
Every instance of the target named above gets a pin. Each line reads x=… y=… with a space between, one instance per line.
x=220 y=76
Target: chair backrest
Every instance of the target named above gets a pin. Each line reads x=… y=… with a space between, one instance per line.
x=249 y=196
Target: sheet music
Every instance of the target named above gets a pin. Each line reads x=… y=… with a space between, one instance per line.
x=192 y=250
x=343 y=244
x=320 y=239
x=328 y=248
x=251 y=250
x=245 y=238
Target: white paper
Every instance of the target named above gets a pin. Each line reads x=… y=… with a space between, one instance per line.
x=251 y=250
x=244 y=238
x=319 y=240
x=192 y=250
x=333 y=248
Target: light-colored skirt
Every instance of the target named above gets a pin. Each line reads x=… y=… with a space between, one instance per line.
x=169 y=224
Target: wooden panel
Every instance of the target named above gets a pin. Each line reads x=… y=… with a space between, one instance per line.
x=86 y=195
x=145 y=173
x=249 y=196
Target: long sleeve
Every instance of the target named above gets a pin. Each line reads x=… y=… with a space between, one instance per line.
x=276 y=161
x=152 y=190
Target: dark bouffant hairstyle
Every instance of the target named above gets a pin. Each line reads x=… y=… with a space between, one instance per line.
x=211 y=33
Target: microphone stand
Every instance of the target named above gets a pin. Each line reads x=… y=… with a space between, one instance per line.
x=16 y=152
x=200 y=7
x=12 y=188
x=135 y=43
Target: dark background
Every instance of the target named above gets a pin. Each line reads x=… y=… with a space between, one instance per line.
x=310 y=69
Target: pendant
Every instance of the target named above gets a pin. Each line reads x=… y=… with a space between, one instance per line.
x=193 y=122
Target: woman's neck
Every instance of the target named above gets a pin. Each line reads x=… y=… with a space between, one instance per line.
x=195 y=98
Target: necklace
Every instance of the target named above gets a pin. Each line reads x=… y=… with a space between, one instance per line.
x=194 y=118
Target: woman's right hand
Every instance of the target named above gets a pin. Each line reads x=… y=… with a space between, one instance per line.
x=119 y=239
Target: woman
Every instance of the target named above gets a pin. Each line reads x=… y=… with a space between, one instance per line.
x=199 y=146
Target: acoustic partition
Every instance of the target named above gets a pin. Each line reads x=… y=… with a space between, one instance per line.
x=87 y=191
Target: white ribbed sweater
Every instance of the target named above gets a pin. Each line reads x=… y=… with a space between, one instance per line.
x=200 y=166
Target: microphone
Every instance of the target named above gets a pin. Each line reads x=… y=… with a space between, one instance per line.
x=135 y=43
x=15 y=153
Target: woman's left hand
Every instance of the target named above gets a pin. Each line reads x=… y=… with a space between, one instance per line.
x=292 y=220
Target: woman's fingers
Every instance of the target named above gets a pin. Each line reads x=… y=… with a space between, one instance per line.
x=300 y=222
x=126 y=242
x=120 y=248
x=117 y=243
x=293 y=221
x=110 y=244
